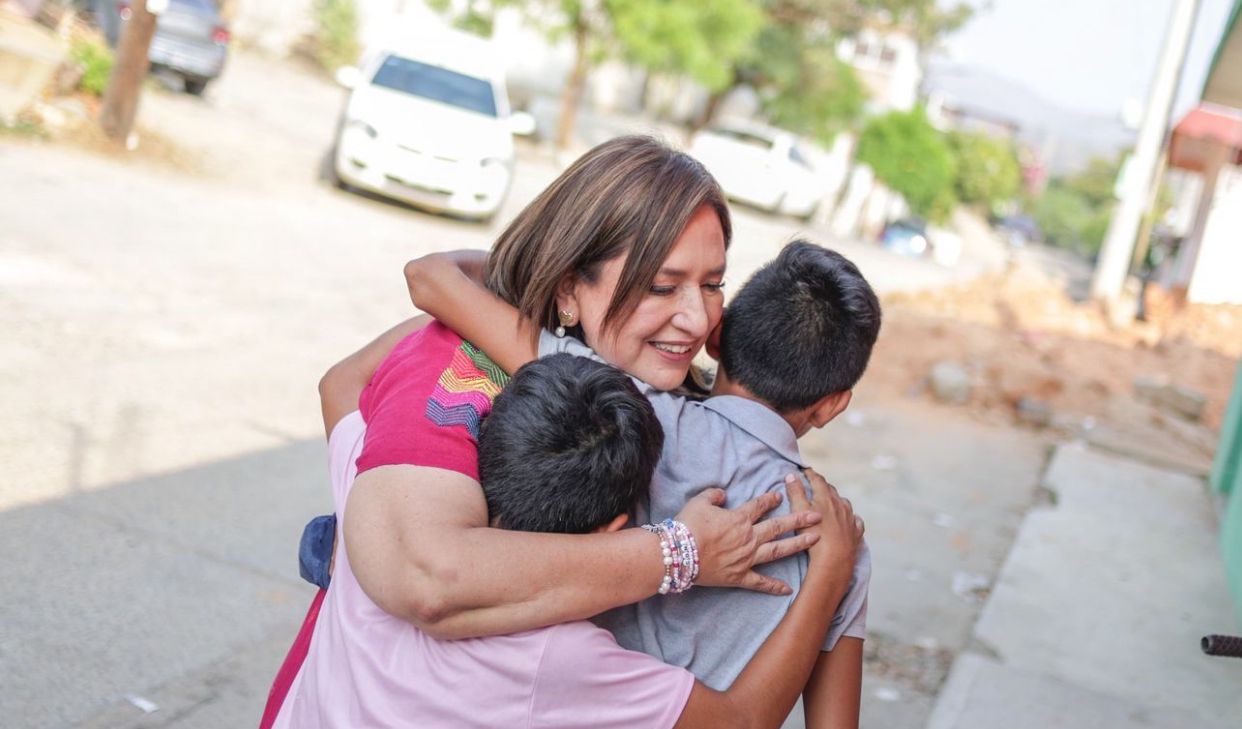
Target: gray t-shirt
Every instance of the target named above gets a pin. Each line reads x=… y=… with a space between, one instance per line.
x=745 y=448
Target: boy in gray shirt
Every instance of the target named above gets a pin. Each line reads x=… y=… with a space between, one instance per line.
x=793 y=343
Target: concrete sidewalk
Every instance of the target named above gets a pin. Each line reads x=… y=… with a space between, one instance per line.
x=1096 y=617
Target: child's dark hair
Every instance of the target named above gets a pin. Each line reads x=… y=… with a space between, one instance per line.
x=801 y=328
x=568 y=446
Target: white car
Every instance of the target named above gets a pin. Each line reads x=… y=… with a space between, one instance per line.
x=761 y=166
x=429 y=124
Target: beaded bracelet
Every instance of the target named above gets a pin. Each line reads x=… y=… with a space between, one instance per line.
x=680 y=553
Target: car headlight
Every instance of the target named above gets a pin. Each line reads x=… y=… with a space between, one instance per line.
x=495 y=171
x=362 y=126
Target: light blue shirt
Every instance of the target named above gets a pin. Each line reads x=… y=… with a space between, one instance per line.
x=745 y=448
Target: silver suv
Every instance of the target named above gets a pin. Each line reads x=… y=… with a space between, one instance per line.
x=191 y=39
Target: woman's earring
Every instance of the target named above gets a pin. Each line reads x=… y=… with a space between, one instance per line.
x=567 y=320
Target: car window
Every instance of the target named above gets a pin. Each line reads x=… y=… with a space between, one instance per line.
x=438 y=84
x=750 y=140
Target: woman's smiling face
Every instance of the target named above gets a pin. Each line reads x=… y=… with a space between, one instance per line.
x=657 y=341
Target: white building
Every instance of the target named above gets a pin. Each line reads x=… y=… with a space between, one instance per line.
x=888 y=62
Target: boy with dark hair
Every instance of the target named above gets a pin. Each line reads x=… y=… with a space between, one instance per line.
x=568 y=445
x=792 y=345
x=800 y=329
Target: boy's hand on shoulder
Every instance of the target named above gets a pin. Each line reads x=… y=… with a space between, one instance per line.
x=840 y=531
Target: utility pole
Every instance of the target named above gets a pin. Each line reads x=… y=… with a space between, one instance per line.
x=120 y=102
x=1118 y=249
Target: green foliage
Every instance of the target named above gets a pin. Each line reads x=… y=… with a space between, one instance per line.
x=1095 y=183
x=699 y=40
x=96 y=60
x=988 y=172
x=336 y=33
x=805 y=88
x=910 y=156
x=1062 y=214
x=1074 y=212
x=23 y=127
x=476 y=17
x=794 y=67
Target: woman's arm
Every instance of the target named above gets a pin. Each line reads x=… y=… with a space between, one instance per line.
x=419 y=545
x=766 y=691
x=833 y=694
x=446 y=286
x=344 y=381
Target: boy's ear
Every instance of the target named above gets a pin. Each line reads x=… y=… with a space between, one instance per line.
x=829 y=407
x=713 y=341
x=617 y=524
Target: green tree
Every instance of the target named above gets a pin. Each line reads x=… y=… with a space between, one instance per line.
x=803 y=86
x=701 y=40
x=1075 y=210
x=794 y=66
x=1096 y=181
x=336 y=33
x=1064 y=215
x=909 y=155
x=988 y=172
x=474 y=16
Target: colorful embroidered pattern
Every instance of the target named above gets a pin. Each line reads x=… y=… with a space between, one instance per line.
x=464 y=393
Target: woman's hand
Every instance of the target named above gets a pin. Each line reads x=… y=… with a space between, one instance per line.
x=731 y=543
x=840 y=531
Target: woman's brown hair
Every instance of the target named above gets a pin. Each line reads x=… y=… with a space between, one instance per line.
x=630 y=195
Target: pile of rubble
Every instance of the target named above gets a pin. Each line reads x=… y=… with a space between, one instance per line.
x=1015 y=348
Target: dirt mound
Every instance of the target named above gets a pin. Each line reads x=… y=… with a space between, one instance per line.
x=1021 y=339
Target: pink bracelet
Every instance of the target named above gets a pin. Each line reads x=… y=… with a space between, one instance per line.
x=680 y=554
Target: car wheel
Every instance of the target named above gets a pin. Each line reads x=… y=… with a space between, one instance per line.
x=195 y=86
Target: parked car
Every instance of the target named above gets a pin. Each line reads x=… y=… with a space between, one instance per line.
x=429 y=124
x=907 y=236
x=1019 y=230
x=762 y=166
x=191 y=39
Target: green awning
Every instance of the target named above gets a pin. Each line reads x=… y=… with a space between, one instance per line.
x=1224 y=80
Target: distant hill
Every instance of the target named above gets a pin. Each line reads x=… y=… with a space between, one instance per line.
x=1067 y=139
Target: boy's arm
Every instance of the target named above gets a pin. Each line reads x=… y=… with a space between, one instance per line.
x=766 y=691
x=344 y=381
x=833 y=694
x=446 y=286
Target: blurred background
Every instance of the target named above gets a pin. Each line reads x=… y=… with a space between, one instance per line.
x=205 y=204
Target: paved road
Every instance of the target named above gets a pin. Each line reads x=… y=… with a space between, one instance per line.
x=164 y=331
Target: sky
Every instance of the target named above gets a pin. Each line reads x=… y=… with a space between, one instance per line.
x=1086 y=55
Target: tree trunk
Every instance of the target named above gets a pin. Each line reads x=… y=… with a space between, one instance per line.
x=713 y=101
x=120 y=102
x=644 y=91
x=709 y=109
x=572 y=94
